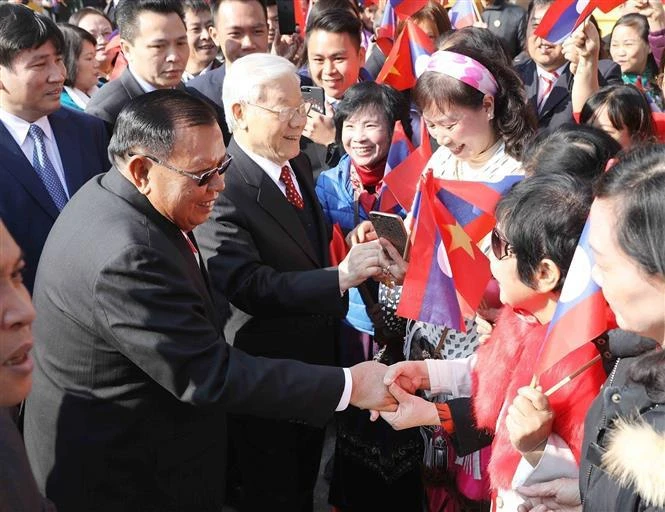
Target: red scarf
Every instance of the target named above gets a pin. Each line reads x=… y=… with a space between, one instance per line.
x=506 y=361
x=367 y=180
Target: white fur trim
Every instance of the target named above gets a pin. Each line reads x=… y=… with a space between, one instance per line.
x=636 y=456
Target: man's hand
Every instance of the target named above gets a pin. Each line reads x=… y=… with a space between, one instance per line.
x=529 y=421
x=560 y=495
x=368 y=391
x=361 y=263
x=412 y=410
x=409 y=375
x=320 y=128
x=363 y=232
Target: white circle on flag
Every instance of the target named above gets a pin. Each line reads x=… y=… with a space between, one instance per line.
x=421 y=64
x=578 y=276
x=442 y=260
x=581 y=5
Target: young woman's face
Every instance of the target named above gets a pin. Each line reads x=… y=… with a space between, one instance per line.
x=466 y=132
x=637 y=299
x=622 y=136
x=629 y=50
x=366 y=136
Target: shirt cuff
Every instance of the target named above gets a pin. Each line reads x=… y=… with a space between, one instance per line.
x=346 y=394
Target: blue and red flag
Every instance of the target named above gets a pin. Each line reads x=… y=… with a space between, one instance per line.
x=400 y=149
x=462 y=14
x=403 y=179
x=564 y=16
x=385 y=32
x=409 y=54
x=447 y=273
x=582 y=313
x=406 y=8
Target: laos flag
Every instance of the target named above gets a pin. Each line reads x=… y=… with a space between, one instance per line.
x=408 y=57
x=447 y=273
x=582 y=313
x=461 y=14
x=406 y=8
x=564 y=16
x=385 y=32
x=400 y=149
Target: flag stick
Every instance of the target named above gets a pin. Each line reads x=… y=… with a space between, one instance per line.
x=570 y=377
x=476 y=12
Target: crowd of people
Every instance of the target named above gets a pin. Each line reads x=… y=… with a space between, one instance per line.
x=192 y=289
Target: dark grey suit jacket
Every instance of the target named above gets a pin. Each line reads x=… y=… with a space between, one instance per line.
x=285 y=300
x=558 y=106
x=133 y=377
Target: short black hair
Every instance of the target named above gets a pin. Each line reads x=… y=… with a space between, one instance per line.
x=325 y=5
x=214 y=5
x=196 y=5
x=336 y=21
x=370 y=95
x=128 y=11
x=74 y=37
x=23 y=29
x=581 y=150
x=150 y=122
x=543 y=217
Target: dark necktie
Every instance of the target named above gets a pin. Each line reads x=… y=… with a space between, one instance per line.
x=292 y=194
x=44 y=168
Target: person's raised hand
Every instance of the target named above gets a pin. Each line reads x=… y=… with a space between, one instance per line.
x=582 y=47
x=360 y=264
x=320 y=127
x=560 y=495
x=369 y=391
x=363 y=232
x=529 y=420
x=412 y=411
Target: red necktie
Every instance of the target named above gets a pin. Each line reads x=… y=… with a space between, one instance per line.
x=548 y=89
x=292 y=194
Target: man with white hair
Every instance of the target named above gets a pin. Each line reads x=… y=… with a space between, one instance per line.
x=266 y=247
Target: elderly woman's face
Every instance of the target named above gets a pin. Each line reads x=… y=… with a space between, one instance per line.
x=637 y=299
x=629 y=50
x=366 y=136
x=16 y=317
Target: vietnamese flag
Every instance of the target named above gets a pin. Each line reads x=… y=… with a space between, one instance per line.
x=409 y=54
x=406 y=8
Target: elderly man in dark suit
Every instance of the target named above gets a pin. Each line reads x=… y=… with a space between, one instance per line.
x=133 y=377
x=266 y=247
x=548 y=76
x=48 y=152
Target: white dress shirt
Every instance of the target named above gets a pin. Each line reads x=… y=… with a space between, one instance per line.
x=274 y=170
x=18 y=129
x=144 y=85
x=545 y=78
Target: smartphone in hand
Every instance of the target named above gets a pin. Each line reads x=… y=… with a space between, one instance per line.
x=315 y=96
x=391 y=227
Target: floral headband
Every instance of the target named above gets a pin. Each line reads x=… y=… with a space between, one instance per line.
x=463 y=68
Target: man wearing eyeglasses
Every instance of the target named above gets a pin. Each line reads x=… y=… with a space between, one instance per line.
x=266 y=249
x=133 y=378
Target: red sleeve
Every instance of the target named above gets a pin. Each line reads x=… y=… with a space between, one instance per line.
x=659 y=125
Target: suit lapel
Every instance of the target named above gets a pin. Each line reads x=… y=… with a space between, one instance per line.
x=270 y=198
x=130 y=84
x=69 y=148
x=15 y=164
x=559 y=92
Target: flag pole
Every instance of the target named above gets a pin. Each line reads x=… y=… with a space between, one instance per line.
x=476 y=12
x=570 y=377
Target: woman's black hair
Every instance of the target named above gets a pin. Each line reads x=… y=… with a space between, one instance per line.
x=640 y=23
x=513 y=120
x=626 y=107
x=76 y=18
x=543 y=217
x=74 y=37
x=636 y=187
x=581 y=150
x=390 y=103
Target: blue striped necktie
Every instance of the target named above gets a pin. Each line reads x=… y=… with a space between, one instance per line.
x=44 y=168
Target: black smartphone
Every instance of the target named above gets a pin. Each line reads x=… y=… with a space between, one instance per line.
x=315 y=96
x=286 y=16
x=391 y=227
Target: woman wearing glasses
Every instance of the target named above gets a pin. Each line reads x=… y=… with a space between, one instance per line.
x=538 y=225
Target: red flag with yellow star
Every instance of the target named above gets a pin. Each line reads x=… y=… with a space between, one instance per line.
x=410 y=52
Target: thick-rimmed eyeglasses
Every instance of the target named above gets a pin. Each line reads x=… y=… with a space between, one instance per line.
x=201 y=178
x=286 y=114
x=501 y=248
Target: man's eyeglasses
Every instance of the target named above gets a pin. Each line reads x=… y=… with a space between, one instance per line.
x=501 y=247
x=286 y=114
x=201 y=178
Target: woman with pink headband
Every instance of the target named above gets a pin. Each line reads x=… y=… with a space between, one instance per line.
x=475 y=109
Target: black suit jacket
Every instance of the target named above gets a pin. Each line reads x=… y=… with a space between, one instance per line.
x=558 y=106
x=133 y=377
x=284 y=300
x=26 y=207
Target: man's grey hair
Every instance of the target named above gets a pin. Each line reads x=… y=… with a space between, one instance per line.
x=246 y=79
